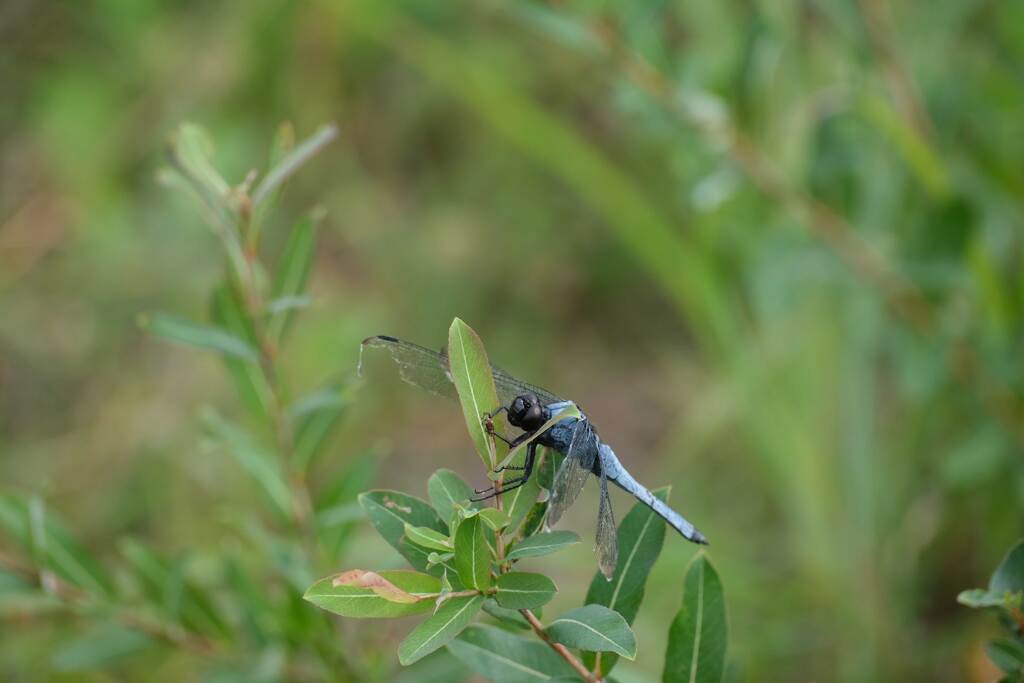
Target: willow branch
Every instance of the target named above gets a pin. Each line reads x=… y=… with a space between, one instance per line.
x=562 y=650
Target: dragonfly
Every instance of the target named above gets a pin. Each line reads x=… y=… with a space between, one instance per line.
x=530 y=409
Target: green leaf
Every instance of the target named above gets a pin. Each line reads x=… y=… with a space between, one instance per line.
x=595 y=628
x=534 y=519
x=511 y=617
x=293 y=161
x=523 y=590
x=390 y=511
x=428 y=538
x=494 y=518
x=542 y=544
x=519 y=502
x=472 y=556
x=315 y=417
x=502 y=657
x=356 y=601
x=1007 y=654
x=227 y=311
x=51 y=543
x=1009 y=575
x=436 y=631
x=641 y=536
x=186 y=332
x=292 y=275
x=471 y=374
x=979 y=597
x=259 y=461
x=697 y=637
x=102 y=646
x=446 y=488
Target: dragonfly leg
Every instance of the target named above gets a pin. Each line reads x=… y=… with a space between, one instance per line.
x=512 y=444
x=527 y=468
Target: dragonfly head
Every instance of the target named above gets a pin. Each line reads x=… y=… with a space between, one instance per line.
x=526 y=412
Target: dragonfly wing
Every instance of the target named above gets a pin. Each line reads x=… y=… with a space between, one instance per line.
x=575 y=469
x=607 y=538
x=417 y=365
x=509 y=387
x=428 y=370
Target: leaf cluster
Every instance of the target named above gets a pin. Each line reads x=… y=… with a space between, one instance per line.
x=1005 y=594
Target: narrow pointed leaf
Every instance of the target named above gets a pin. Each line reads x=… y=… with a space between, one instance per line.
x=186 y=332
x=641 y=535
x=697 y=637
x=292 y=274
x=428 y=538
x=446 y=488
x=471 y=374
x=436 y=631
x=364 y=602
x=102 y=646
x=543 y=544
x=258 y=460
x=227 y=312
x=315 y=417
x=595 y=628
x=523 y=590
x=293 y=161
x=472 y=556
x=502 y=657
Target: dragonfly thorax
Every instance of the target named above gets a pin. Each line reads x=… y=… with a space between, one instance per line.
x=526 y=412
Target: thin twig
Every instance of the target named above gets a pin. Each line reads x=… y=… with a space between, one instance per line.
x=562 y=650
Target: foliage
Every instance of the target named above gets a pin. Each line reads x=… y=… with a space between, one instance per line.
x=774 y=249
x=1005 y=593
x=474 y=552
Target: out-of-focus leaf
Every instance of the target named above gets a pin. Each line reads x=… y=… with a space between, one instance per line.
x=390 y=511
x=472 y=556
x=543 y=544
x=471 y=374
x=227 y=312
x=202 y=336
x=52 y=544
x=595 y=628
x=293 y=161
x=428 y=538
x=1009 y=575
x=507 y=616
x=292 y=275
x=315 y=416
x=505 y=658
x=103 y=646
x=979 y=597
x=193 y=606
x=1007 y=654
x=523 y=590
x=435 y=632
x=355 y=601
x=261 y=463
x=697 y=637
x=446 y=488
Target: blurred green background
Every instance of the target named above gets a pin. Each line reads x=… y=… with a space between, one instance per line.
x=774 y=250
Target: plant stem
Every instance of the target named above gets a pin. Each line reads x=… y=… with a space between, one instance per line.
x=562 y=650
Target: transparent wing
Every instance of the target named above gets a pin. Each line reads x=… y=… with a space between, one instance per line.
x=428 y=370
x=572 y=475
x=607 y=537
x=418 y=366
